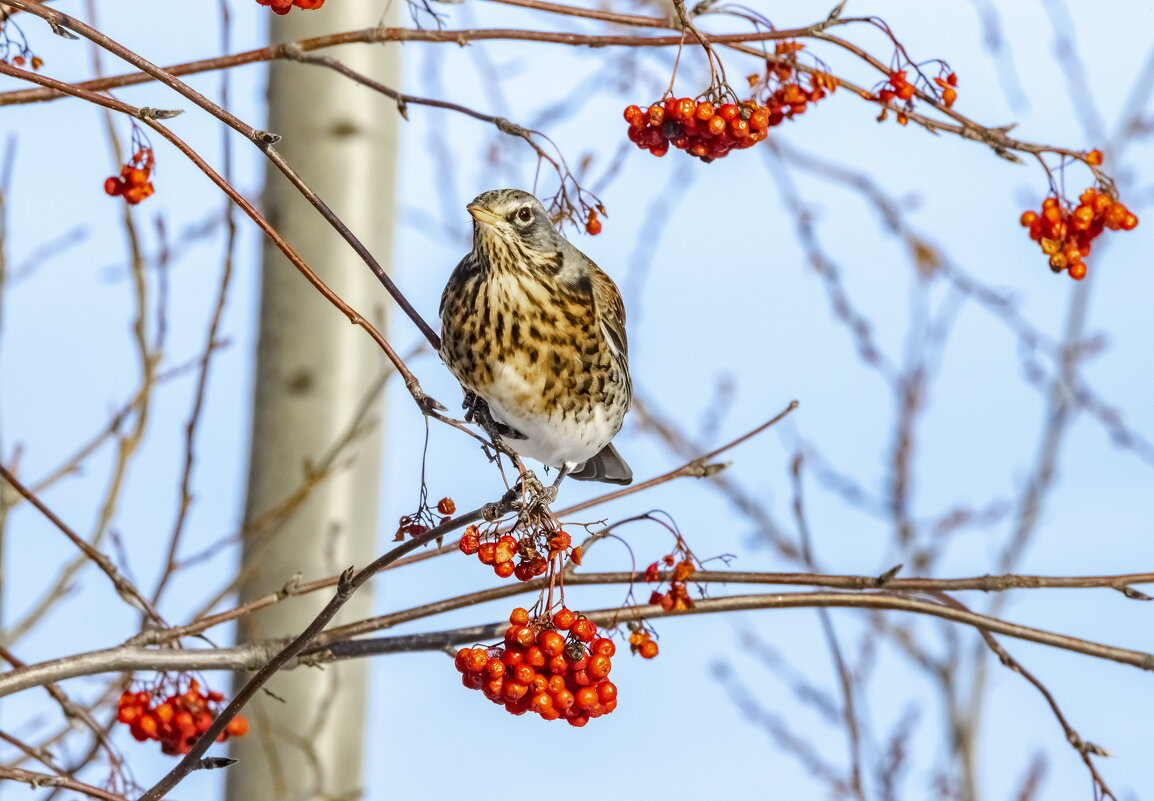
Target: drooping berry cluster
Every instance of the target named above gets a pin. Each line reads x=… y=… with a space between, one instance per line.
x=642 y=644
x=1065 y=234
x=133 y=184
x=676 y=598
x=421 y=521
x=284 y=6
x=540 y=669
x=898 y=87
x=525 y=558
x=700 y=129
x=710 y=130
x=177 y=721
x=19 y=61
x=14 y=47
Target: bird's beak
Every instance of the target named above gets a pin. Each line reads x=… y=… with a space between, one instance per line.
x=483 y=215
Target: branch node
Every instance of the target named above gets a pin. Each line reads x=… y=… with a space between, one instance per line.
x=146 y=113
x=888 y=576
x=1094 y=749
x=1133 y=594
x=212 y=763
x=60 y=30
x=290 y=587
x=345 y=582
x=509 y=127
x=265 y=138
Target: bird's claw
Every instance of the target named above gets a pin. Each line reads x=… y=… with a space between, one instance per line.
x=477 y=411
x=537 y=496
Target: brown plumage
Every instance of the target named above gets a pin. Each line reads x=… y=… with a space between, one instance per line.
x=535 y=329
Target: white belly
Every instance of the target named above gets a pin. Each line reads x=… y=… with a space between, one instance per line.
x=552 y=437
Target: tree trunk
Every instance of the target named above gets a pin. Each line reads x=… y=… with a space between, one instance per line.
x=314 y=372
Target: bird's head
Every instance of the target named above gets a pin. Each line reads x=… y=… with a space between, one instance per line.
x=515 y=219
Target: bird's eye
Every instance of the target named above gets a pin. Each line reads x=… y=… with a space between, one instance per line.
x=525 y=214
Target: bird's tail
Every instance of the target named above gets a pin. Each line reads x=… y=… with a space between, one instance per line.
x=606 y=466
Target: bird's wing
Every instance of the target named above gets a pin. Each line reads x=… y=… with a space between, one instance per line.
x=612 y=310
x=465 y=268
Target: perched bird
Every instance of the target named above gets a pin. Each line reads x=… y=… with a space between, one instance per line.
x=531 y=326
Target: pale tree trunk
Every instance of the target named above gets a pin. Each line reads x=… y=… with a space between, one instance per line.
x=313 y=374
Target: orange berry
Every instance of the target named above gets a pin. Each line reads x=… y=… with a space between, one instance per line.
x=599 y=666
x=476 y=660
x=729 y=112
x=1094 y=157
x=606 y=692
x=648 y=649
x=519 y=616
x=237 y=727
x=717 y=125
x=587 y=697
x=550 y=642
x=513 y=690
x=603 y=646
x=563 y=699
x=487 y=553
x=504 y=569
x=704 y=111
x=446 y=506
x=563 y=618
x=739 y=127
x=584 y=630
x=534 y=656
x=540 y=703
x=469 y=544
x=1028 y=218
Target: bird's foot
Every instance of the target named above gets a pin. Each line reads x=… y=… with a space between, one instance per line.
x=535 y=495
x=477 y=411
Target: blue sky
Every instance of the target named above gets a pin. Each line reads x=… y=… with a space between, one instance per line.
x=720 y=293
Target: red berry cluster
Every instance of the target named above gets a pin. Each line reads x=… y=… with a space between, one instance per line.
x=700 y=129
x=898 y=87
x=541 y=670
x=284 y=6
x=415 y=525
x=177 y=721
x=133 y=183
x=641 y=643
x=1065 y=234
x=710 y=131
x=522 y=557
x=676 y=598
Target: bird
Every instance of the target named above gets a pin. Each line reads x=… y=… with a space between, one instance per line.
x=536 y=330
